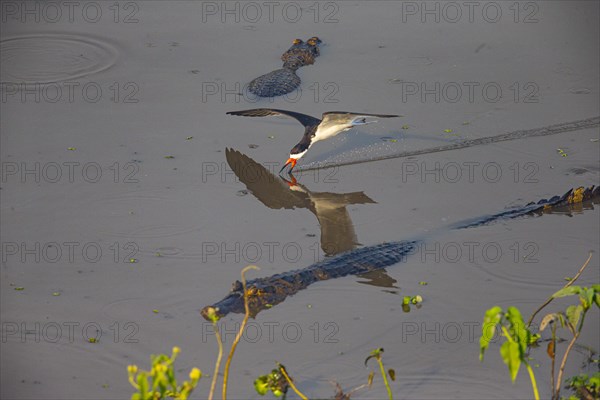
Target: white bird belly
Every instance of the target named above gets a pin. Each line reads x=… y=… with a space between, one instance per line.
x=327 y=132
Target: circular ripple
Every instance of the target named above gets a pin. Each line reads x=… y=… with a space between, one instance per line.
x=53 y=58
x=169 y=251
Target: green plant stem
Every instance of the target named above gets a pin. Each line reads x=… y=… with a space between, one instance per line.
x=385 y=381
x=566 y=286
x=563 y=363
x=531 y=374
x=240 y=332
x=553 y=358
x=291 y=383
x=133 y=383
x=213 y=384
x=581 y=320
x=536 y=395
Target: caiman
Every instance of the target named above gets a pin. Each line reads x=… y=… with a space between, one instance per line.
x=284 y=80
x=266 y=292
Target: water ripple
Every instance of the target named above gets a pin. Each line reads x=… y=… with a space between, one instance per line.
x=48 y=58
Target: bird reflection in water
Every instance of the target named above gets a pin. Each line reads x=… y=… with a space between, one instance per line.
x=276 y=192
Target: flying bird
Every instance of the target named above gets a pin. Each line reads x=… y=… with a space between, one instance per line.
x=315 y=130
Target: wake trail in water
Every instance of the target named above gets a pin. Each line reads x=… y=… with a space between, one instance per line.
x=520 y=134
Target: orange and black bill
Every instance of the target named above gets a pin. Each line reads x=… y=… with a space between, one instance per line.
x=291 y=161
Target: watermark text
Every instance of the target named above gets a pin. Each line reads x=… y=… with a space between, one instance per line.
x=252 y=12
x=52 y=12
x=69 y=252
x=68 y=172
x=69 y=331
x=452 y=12
x=69 y=92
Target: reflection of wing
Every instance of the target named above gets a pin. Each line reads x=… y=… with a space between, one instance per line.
x=378 y=277
x=337 y=230
x=269 y=189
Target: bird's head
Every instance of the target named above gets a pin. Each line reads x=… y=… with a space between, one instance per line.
x=297 y=41
x=295 y=155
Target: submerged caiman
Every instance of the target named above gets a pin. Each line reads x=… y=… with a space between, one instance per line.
x=266 y=292
x=284 y=80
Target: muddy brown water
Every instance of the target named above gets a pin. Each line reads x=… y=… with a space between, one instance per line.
x=121 y=219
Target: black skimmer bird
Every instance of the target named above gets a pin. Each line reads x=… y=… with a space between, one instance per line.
x=337 y=229
x=315 y=130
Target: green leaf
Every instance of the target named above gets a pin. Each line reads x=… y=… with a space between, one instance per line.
x=587 y=298
x=511 y=356
x=595 y=381
x=374 y=354
x=534 y=339
x=597 y=299
x=392 y=374
x=171 y=378
x=416 y=299
x=547 y=319
x=573 y=314
x=490 y=320
x=261 y=385
x=518 y=329
x=212 y=314
x=568 y=291
x=377 y=352
x=143 y=384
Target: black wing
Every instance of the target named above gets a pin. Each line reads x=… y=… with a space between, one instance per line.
x=359 y=114
x=304 y=119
